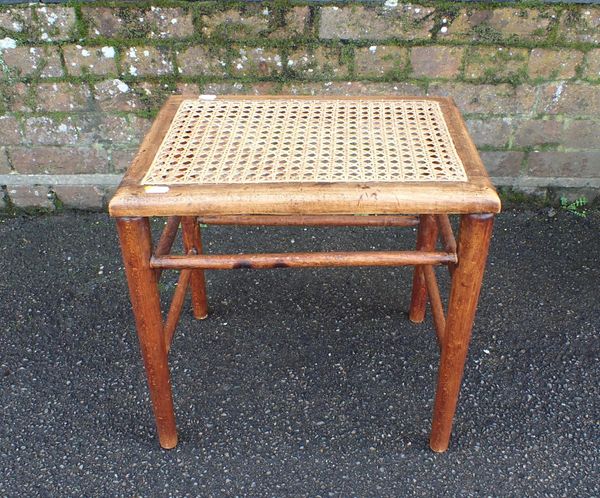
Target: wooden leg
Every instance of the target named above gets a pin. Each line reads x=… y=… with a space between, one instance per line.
x=473 y=244
x=136 y=245
x=426 y=239
x=193 y=240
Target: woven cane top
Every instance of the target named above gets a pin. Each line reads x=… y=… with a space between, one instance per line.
x=240 y=141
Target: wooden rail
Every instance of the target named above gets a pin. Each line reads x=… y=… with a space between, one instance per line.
x=302 y=260
x=447 y=236
x=167 y=238
x=437 y=308
x=308 y=220
x=176 y=307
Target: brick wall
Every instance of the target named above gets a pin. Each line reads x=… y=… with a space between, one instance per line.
x=79 y=84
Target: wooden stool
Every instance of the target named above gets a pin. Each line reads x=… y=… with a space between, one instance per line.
x=360 y=161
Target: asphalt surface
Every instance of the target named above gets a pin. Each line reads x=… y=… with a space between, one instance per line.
x=301 y=382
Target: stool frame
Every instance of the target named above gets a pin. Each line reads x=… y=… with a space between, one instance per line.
x=465 y=261
x=382 y=205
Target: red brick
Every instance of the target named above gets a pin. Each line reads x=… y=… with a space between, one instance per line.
x=200 y=61
x=116 y=95
x=581 y=25
x=229 y=88
x=322 y=62
x=16 y=20
x=48 y=130
x=183 y=88
x=436 y=62
x=499 y=24
x=155 y=22
x=554 y=64
x=62 y=97
x=50 y=23
x=576 y=99
x=109 y=192
x=538 y=132
x=55 y=22
x=89 y=60
x=17 y=97
x=147 y=61
x=4 y=165
x=154 y=95
x=31 y=197
x=296 y=23
x=582 y=134
x=41 y=62
x=253 y=22
x=80 y=196
x=140 y=126
x=112 y=129
x=581 y=164
x=496 y=63
x=124 y=130
x=487 y=99
x=592 y=65
x=352 y=88
x=121 y=159
x=259 y=62
x=10 y=132
x=502 y=163
x=380 y=60
x=58 y=160
x=490 y=132
x=407 y=21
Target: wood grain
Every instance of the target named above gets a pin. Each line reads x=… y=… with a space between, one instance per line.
x=192 y=241
x=426 y=240
x=314 y=221
x=474 y=238
x=302 y=260
x=136 y=245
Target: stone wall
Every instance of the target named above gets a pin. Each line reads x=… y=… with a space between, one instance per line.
x=79 y=84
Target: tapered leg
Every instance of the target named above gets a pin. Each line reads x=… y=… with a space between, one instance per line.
x=473 y=244
x=193 y=240
x=426 y=239
x=136 y=245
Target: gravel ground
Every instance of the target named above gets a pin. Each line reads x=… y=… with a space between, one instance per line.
x=301 y=382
